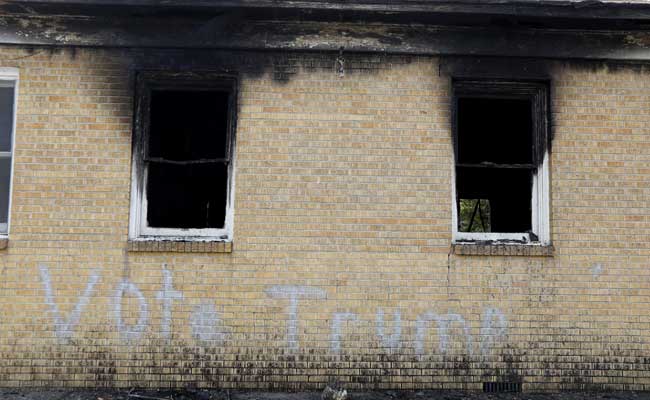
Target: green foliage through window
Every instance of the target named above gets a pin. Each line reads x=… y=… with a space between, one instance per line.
x=474 y=215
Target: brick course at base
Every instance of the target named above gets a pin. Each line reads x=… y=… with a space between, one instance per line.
x=341 y=265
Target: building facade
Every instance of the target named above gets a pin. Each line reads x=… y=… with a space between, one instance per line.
x=326 y=192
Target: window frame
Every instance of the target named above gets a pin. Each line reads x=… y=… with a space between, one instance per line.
x=10 y=77
x=146 y=81
x=539 y=94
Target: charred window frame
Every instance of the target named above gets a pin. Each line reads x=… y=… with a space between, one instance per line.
x=183 y=153
x=501 y=143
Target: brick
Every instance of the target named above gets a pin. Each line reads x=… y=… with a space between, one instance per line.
x=342 y=197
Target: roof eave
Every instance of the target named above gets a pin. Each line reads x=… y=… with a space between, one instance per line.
x=583 y=9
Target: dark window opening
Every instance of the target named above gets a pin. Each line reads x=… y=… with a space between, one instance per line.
x=497 y=147
x=188 y=125
x=507 y=191
x=186 y=196
x=185 y=127
x=497 y=131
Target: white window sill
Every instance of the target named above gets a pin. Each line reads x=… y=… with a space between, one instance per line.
x=495 y=237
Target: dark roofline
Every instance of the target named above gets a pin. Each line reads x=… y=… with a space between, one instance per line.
x=581 y=9
x=559 y=29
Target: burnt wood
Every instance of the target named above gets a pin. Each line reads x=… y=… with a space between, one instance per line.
x=210 y=33
x=633 y=9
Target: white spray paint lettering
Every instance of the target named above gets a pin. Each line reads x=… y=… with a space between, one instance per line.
x=135 y=331
x=337 y=321
x=393 y=340
x=65 y=329
x=596 y=270
x=421 y=326
x=293 y=294
x=494 y=327
x=443 y=325
x=205 y=324
x=167 y=296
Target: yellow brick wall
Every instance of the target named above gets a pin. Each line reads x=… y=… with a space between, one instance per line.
x=342 y=231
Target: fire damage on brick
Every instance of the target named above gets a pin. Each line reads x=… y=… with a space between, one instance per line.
x=182 y=151
x=492 y=62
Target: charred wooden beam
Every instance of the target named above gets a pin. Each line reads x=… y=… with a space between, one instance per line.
x=585 y=9
x=206 y=33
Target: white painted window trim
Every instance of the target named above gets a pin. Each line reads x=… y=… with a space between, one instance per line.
x=540 y=207
x=540 y=214
x=138 y=228
x=9 y=77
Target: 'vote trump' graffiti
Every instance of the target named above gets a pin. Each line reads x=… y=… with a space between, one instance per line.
x=206 y=324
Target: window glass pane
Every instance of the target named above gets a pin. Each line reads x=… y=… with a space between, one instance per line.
x=188 y=125
x=508 y=191
x=495 y=130
x=6 y=117
x=186 y=196
x=5 y=180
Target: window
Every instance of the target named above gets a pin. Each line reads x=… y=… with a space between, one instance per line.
x=8 y=89
x=183 y=157
x=501 y=174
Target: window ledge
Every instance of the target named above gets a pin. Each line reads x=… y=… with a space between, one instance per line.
x=502 y=249
x=179 y=246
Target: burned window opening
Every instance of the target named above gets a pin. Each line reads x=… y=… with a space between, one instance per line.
x=508 y=191
x=500 y=148
x=187 y=125
x=183 y=155
x=186 y=196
